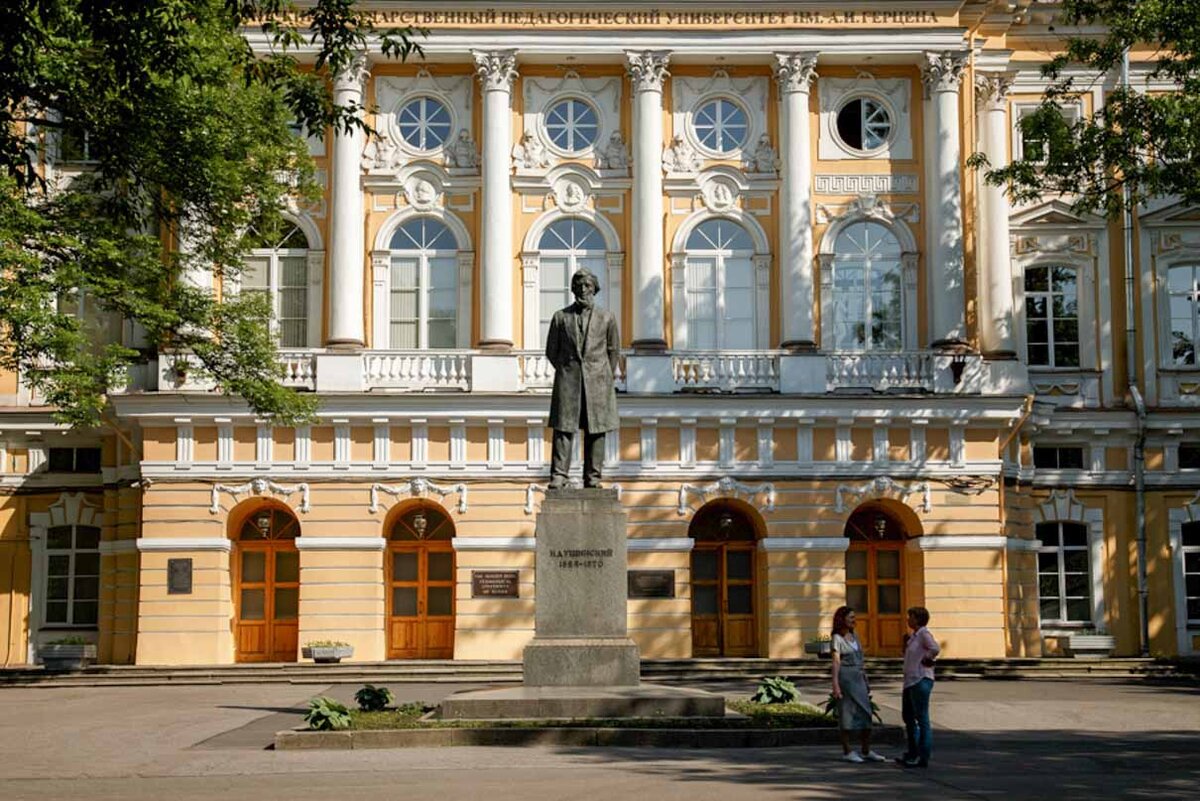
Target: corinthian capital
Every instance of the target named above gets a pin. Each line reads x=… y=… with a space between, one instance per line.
x=647 y=69
x=496 y=69
x=991 y=89
x=943 y=71
x=795 y=71
x=354 y=75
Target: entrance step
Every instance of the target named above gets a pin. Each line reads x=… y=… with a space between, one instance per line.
x=657 y=670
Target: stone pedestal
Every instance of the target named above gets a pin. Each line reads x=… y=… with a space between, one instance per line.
x=581 y=639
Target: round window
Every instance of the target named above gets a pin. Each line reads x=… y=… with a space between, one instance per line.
x=424 y=123
x=721 y=125
x=572 y=125
x=864 y=124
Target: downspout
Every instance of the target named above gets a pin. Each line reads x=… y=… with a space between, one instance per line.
x=1139 y=406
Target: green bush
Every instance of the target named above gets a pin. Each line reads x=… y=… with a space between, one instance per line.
x=74 y=639
x=374 y=699
x=775 y=690
x=326 y=714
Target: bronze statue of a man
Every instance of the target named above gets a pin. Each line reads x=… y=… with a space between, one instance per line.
x=583 y=347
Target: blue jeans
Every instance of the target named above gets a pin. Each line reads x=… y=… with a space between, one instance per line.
x=915 y=711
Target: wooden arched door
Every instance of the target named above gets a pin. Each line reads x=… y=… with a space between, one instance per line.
x=421 y=578
x=724 y=596
x=267 y=586
x=875 y=579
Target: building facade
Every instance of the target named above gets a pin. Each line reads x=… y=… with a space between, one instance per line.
x=852 y=372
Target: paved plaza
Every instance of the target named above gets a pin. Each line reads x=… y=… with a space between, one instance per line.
x=995 y=739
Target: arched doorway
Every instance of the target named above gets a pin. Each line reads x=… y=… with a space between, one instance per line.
x=875 y=577
x=724 y=568
x=267 y=585
x=420 y=575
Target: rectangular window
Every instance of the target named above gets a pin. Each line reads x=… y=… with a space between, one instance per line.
x=1183 y=301
x=1189 y=456
x=1057 y=457
x=73 y=460
x=1052 y=316
x=1064 y=573
x=1191 y=570
x=1038 y=148
x=293 y=301
x=72 y=576
x=74 y=145
x=405 y=316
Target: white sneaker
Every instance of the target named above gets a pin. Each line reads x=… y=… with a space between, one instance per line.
x=874 y=756
x=853 y=756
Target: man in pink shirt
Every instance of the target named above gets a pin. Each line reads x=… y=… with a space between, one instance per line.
x=920 y=651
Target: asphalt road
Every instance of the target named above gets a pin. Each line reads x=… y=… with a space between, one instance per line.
x=994 y=740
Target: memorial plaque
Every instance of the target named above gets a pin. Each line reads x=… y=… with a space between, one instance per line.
x=494 y=584
x=651 y=583
x=179 y=577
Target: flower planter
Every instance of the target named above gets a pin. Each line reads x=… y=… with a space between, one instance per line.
x=327 y=654
x=1090 y=646
x=66 y=657
x=820 y=649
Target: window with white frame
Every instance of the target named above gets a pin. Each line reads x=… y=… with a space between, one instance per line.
x=567 y=245
x=277 y=266
x=1183 y=298
x=1191 y=570
x=719 y=288
x=572 y=125
x=1052 y=315
x=423 y=310
x=1037 y=148
x=72 y=576
x=721 y=125
x=868 y=289
x=424 y=123
x=1064 y=573
x=864 y=123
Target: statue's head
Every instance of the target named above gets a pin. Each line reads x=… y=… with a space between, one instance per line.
x=584 y=286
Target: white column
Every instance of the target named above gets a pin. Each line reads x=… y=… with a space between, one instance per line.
x=794 y=73
x=496 y=71
x=347 y=233
x=942 y=74
x=647 y=71
x=997 y=339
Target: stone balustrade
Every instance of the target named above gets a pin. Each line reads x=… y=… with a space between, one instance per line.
x=881 y=371
x=726 y=371
x=417 y=370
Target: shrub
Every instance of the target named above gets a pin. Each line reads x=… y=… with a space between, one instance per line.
x=326 y=714
x=775 y=690
x=374 y=699
x=326 y=644
x=74 y=639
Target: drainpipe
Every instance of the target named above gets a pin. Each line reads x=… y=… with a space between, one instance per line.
x=1139 y=406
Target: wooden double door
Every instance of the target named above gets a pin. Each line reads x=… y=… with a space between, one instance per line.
x=875 y=590
x=267 y=582
x=421 y=581
x=724 y=595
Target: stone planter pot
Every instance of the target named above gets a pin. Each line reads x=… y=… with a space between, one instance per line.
x=327 y=654
x=821 y=649
x=1090 y=646
x=66 y=657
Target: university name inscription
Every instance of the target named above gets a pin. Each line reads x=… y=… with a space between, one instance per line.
x=587 y=558
x=649 y=17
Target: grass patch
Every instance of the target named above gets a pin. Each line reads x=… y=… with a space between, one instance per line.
x=758 y=716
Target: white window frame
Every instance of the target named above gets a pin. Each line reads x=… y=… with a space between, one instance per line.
x=571 y=151
x=690 y=93
x=760 y=260
x=1185 y=629
x=424 y=258
x=879 y=100
x=426 y=96
x=1060 y=551
x=713 y=152
x=844 y=258
x=1167 y=360
x=575 y=259
x=315 y=266
x=381 y=270
x=1071 y=112
x=1048 y=294
x=1063 y=507
x=1084 y=288
x=71 y=509
x=531 y=271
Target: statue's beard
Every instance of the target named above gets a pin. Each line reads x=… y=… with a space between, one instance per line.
x=585 y=303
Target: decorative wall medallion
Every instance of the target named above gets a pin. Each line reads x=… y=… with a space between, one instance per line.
x=258 y=486
x=570 y=195
x=719 y=195
x=421 y=194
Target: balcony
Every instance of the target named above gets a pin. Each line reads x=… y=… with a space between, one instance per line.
x=417 y=370
x=725 y=371
x=537 y=374
x=880 y=372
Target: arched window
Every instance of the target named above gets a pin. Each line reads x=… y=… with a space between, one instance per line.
x=719 y=289
x=1052 y=315
x=424 y=286
x=868 y=289
x=277 y=265
x=566 y=246
x=1064 y=573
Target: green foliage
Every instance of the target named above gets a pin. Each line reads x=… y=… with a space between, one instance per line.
x=188 y=142
x=374 y=699
x=74 y=639
x=1139 y=144
x=775 y=690
x=326 y=644
x=789 y=715
x=822 y=637
x=326 y=714
x=831 y=708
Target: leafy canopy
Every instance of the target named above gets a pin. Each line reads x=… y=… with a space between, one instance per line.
x=1140 y=144
x=160 y=127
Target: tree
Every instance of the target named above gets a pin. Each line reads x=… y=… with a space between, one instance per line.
x=1139 y=144
x=187 y=137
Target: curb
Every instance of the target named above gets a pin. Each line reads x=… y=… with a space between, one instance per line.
x=299 y=740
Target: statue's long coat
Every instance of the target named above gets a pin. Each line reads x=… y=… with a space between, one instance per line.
x=583 y=368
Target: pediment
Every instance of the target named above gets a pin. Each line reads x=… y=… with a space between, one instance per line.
x=1174 y=214
x=1054 y=213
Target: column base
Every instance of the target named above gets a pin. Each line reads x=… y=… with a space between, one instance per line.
x=495 y=345
x=650 y=345
x=345 y=344
x=999 y=355
x=953 y=345
x=799 y=346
